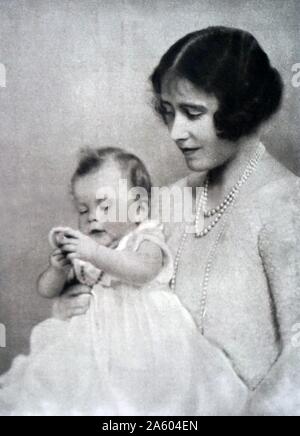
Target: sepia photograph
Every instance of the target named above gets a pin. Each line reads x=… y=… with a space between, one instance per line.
x=150 y=210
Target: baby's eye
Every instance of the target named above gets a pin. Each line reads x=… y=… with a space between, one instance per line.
x=105 y=209
x=104 y=204
x=83 y=211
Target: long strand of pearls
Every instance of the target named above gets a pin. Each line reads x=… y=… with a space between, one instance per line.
x=178 y=258
x=229 y=201
x=207 y=272
x=201 y=206
x=219 y=211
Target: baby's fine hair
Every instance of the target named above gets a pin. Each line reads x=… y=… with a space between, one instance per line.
x=134 y=170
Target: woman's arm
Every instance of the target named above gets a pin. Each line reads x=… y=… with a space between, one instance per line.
x=279 y=244
x=136 y=268
x=74 y=301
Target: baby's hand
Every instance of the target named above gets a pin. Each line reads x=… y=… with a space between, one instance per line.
x=59 y=261
x=76 y=245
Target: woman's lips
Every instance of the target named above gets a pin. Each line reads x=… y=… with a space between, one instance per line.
x=189 y=152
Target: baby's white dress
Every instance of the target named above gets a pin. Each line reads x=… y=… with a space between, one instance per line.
x=137 y=351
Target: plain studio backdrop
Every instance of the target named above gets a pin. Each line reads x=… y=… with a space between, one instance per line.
x=77 y=74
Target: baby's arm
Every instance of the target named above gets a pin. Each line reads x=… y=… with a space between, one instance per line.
x=53 y=281
x=136 y=268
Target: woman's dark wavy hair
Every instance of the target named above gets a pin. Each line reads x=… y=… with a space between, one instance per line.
x=230 y=64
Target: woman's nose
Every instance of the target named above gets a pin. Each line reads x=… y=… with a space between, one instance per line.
x=179 y=129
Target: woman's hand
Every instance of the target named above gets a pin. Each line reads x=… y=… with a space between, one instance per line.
x=76 y=245
x=75 y=302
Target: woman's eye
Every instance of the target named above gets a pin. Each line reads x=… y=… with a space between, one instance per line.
x=194 y=115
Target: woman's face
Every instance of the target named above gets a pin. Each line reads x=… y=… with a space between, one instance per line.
x=189 y=115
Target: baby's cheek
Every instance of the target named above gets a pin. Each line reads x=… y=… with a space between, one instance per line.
x=117 y=229
x=105 y=240
x=82 y=225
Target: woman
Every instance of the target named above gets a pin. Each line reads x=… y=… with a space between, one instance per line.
x=239 y=275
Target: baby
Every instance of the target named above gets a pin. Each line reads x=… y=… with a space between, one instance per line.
x=136 y=351
x=96 y=191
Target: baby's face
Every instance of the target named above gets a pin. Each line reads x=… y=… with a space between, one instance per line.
x=96 y=196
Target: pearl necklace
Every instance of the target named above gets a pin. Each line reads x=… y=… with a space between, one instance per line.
x=201 y=208
x=220 y=210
